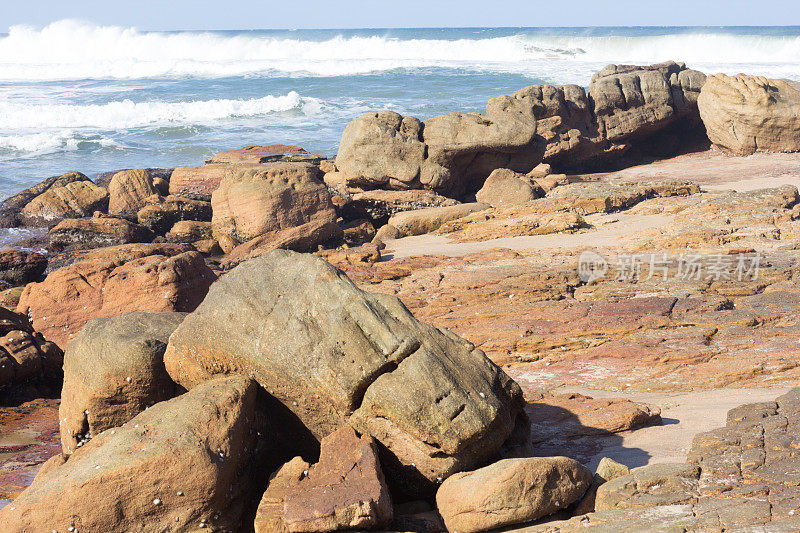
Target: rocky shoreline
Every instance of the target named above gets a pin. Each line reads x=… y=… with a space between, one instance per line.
x=391 y=340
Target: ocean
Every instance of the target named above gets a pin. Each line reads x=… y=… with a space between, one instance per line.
x=77 y=96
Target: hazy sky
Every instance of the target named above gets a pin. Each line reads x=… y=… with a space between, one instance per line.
x=250 y=14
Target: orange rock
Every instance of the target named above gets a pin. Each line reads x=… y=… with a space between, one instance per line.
x=265 y=154
x=128 y=190
x=111 y=281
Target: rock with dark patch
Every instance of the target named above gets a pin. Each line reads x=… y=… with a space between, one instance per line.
x=96 y=232
x=11 y=208
x=189 y=231
x=378 y=205
x=113 y=371
x=175 y=467
x=344 y=490
x=269 y=517
x=161 y=213
x=19 y=267
x=434 y=402
x=30 y=366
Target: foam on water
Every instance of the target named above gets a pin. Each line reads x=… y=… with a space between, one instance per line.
x=77 y=50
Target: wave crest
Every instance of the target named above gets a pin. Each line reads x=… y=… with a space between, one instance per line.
x=76 y=50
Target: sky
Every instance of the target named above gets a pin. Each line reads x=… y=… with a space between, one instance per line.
x=254 y=14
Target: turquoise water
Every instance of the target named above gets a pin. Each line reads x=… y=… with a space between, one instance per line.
x=74 y=96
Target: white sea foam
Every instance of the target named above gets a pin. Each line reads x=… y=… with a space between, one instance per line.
x=76 y=50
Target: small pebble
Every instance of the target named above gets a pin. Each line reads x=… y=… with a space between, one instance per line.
x=156 y=502
x=180 y=493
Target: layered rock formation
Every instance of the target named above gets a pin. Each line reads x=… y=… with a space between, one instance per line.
x=747 y=114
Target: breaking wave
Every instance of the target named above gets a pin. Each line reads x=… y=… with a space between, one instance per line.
x=69 y=50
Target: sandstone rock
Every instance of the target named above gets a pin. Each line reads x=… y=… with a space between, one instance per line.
x=160 y=214
x=657 y=484
x=357 y=232
x=189 y=231
x=511 y=491
x=95 y=232
x=303 y=238
x=27 y=360
x=423 y=221
x=160 y=178
x=607 y=470
x=19 y=267
x=173 y=467
x=11 y=208
x=379 y=205
x=113 y=371
x=506 y=187
x=344 y=490
x=207 y=247
x=76 y=199
x=111 y=281
x=128 y=190
x=386 y=233
x=269 y=517
x=540 y=171
x=382 y=149
x=747 y=114
x=265 y=154
x=198 y=183
x=276 y=197
x=437 y=405
x=632 y=101
x=345 y=257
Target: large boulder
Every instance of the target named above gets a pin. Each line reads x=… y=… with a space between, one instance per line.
x=11 y=208
x=18 y=267
x=506 y=187
x=274 y=197
x=76 y=199
x=128 y=190
x=511 y=491
x=115 y=280
x=175 y=467
x=747 y=114
x=450 y=154
x=114 y=370
x=159 y=214
x=30 y=366
x=344 y=490
x=198 y=183
x=334 y=354
x=95 y=232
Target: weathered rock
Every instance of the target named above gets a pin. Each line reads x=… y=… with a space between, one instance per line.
x=607 y=470
x=265 y=154
x=173 y=467
x=747 y=114
x=427 y=220
x=633 y=102
x=160 y=178
x=96 y=232
x=275 y=197
x=437 y=405
x=511 y=491
x=19 y=267
x=76 y=199
x=344 y=490
x=651 y=485
x=358 y=232
x=379 y=205
x=382 y=149
x=198 y=183
x=27 y=361
x=303 y=238
x=269 y=517
x=113 y=371
x=128 y=191
x=111 y=281
x=11 y=208
x=160 y=214
x=506 y=187
x=189 y=231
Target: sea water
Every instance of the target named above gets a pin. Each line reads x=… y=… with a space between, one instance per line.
x=76 y=96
